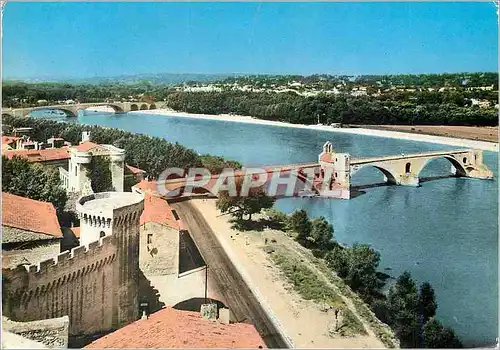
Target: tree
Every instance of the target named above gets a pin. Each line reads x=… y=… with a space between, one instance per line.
x=321 y=234
x=299 y=223
x=238 y=205
x=437 y=336
x=362 y=273
x=402 y=303
x=427 y=302
x=99 y=173
x=34 y=181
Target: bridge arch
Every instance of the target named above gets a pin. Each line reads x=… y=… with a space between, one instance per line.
x=70 y=112
x=144 y=107
x=134 y=107
x=459 y=164
x=152 y=106
x=389 y=175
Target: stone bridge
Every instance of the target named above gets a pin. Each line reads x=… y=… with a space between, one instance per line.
x=71 y=110
x=402 y=169
x=331 y=175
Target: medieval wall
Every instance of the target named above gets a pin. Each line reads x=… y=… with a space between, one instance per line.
x=77 y=283
x=95 y=284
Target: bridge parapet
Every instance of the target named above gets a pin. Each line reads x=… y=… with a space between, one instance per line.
x=403 y=169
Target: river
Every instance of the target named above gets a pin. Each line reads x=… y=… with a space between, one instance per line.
x=444 y=232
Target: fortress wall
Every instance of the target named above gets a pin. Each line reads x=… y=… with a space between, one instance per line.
x=126 y=279
x=77 y=283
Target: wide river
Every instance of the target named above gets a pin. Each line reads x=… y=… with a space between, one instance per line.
x=444 y=232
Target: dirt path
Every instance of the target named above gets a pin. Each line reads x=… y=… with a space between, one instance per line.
x=235 y=293
x=302 y=320
x=346 y=300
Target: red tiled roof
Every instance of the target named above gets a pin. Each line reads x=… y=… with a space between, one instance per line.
x=134 y=170
x=158 y=210
x=9 y=139
x=76 y=231
x=171 y=328
x=86 y=146
x=42 y=155
x=30 y=215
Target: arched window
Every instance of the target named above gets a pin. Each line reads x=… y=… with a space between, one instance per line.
x=408 y=168
x=465 y=160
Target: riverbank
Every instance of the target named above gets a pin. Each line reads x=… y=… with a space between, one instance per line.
x=475 y=133
x=293 y=312
x=456 y=142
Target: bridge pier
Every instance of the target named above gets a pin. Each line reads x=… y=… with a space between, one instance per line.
x=409 y=180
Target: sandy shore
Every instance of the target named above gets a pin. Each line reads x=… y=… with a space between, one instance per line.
x=302 y=321
x=457 y=142
x=476 y=133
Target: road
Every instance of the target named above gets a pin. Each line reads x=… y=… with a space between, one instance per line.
x=238 y=297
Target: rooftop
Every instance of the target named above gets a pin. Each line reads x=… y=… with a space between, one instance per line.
x=171 y=328
x=134 y=170
x=30 y=215
x=158 y=210
x=42 y=155
x=105 y=202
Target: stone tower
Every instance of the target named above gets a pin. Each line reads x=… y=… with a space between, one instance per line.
x=95 y=284
x=116 y=214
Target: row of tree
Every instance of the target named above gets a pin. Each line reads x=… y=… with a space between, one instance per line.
x=152 y=154
x=430 y=108
x=408 y=310
x=33 y=181
x=414 y=80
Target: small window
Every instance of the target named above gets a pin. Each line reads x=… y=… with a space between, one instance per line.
x=150 y=238
x=408 y=168
x=465 y=160
x=102 y=234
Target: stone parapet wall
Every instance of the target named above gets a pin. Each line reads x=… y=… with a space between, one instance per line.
x=77 y=283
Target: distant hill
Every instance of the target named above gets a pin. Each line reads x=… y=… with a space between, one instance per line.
x=154 y=79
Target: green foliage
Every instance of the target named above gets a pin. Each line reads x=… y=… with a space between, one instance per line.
x=358 y=267
x=152 y=154
x=99 y=174
x=437 y=336
x=277 y=218
x=393 y=107
x=312 y=287
x=427 y=301
x=321 y=235
x=34 y=181
x=403 y=308
x=216 y=164
x=238 y=205
x=299 y=223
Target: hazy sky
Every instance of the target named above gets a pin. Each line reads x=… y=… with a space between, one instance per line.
x=106 y=39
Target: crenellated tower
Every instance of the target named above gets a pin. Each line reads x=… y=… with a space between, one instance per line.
x=95 y=284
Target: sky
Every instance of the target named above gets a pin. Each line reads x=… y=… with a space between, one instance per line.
x=109 y=39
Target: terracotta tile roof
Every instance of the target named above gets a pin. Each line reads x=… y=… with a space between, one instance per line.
x=9 y=139
x=42 y=155
x=158 y=210
x=86 y=146
x=171 y=328
x=76 y=231
x=134 y=170
x=30 y=215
